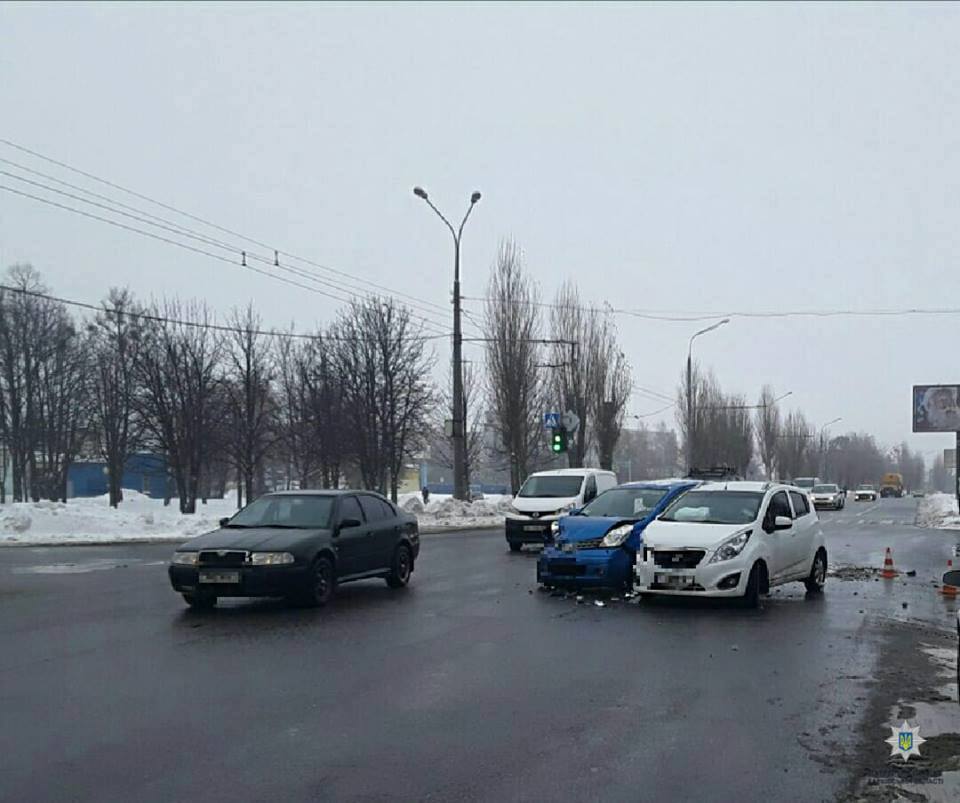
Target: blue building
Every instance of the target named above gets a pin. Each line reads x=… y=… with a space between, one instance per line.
x=144 y=472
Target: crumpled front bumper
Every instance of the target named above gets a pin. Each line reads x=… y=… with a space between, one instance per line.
x=585 y=568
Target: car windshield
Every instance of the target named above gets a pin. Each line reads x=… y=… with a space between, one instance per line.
x=287 y=511
x=547 y=486
x=715 y=507
x=864 y=487
x=825 y=489
x=804 y=482
x=625 y=503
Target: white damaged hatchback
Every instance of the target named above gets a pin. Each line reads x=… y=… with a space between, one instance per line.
x=733 y=539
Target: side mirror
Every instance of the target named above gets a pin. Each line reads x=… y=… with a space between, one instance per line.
x=574 y=511
x=347 y=523
x=782 y=523
x=224 y=521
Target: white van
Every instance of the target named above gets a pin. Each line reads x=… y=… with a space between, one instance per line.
x=547 y=495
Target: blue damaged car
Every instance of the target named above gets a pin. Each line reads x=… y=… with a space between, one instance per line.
x=596 y=546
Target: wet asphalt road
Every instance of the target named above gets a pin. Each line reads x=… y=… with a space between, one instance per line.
x=469 y=685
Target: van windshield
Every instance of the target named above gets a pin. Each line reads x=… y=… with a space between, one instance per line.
x=548 y=486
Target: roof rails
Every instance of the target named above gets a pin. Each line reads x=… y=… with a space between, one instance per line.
x=714 y=473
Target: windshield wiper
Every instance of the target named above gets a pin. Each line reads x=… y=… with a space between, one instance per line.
x=281 y=527
x=236 y=526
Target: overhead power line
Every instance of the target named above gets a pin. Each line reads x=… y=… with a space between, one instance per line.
x=412 y=300
x=146 y=316
x=697 y=316
x=147 y=218
x=243 y=264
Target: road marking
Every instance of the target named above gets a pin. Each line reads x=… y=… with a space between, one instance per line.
x=97 y=565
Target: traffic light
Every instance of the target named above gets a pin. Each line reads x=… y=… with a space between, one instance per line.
x=558 y=443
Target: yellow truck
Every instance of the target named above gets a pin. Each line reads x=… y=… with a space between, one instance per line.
x=891 y=485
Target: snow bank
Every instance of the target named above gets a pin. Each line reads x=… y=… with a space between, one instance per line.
x=140 y=518
x=92 y=520
x=939 y=511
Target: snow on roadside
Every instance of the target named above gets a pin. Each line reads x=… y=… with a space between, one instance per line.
x=140 y=518
x=938 y=511
x=92 y=520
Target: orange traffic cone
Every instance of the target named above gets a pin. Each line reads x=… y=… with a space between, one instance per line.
x=888 y=572
x=948 y=589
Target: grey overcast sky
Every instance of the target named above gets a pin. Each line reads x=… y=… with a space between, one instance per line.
x=706 y=158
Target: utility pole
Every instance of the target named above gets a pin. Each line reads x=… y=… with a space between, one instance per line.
x=691 y=424
x=459 y=413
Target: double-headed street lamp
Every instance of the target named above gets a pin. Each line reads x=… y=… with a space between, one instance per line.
x=691 y=426
x=459 y=414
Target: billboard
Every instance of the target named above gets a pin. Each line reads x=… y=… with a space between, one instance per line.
x=936 y=408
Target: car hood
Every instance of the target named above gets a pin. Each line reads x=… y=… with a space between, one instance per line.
x=586 y=528
x=260 y=538
x=828 y=495
x=682 y=534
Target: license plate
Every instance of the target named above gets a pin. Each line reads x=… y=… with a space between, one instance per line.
x=219 y=577
x=534 y=528
x=678 y=580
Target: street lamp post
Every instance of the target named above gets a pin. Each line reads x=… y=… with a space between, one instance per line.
x=691 y=426
x=823 y=452
x=460 y=489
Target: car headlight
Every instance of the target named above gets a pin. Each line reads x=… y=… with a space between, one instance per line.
x=617 y=536
x=185 y=558
x=732 y=547
x=271 y=558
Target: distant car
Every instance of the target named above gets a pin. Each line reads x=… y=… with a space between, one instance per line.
x=596 y=546
x=866 y=492
x=298 y=545
x=828 y=495
x=918 y=494
x=733 y=539
x=807 y=483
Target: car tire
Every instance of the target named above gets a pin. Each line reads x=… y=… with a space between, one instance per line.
x=201 y=601
x=751 y=597
x=401 y=567
x=514 y=546
x=818 y=573
x=322 y=584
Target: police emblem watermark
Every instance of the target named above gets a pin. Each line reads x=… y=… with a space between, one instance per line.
x=905 y=740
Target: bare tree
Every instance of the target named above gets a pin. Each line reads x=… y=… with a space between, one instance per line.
x=721 y=424
x=247 y=382
x=115 y=337
x=573 y=360
x=179 y=387
x=609 y=388
x=515 y=385
x=794 y=454
x=768 y=428
x=43 y=398
x=384 y=362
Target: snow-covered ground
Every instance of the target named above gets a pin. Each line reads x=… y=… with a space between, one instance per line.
x=140 y=518
x=940 y=511
x=445 y=511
